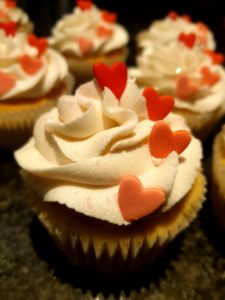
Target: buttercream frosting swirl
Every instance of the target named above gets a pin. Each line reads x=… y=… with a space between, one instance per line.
x=15 y=14
x=82 y=150
x=162 y=67
x=34 y=75
x=167 y=30
x=89 y=26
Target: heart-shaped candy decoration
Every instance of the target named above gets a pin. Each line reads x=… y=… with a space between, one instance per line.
x=84 y=4
x=158 y=107
x=109 y=16
x=163 y=140
x=10 y=3
x=40 y=43
x=202 y=26
x=217 y=58
x=185 y=89
x=10 y=28
x=114 y=77
x=187 y=18
x=172 y=15
x=208 y=77
x=30 y=65
x=103 y=32
x=7 y=82
x=85 y=45
x=136 y=202
x=187 y=39
x=4 y=16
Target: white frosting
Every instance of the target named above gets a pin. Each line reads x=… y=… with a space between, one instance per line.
x=53 y=70
x=160 y=67
x=167 y=30
x=82 y=149
x=84 y=24
x=14 y=14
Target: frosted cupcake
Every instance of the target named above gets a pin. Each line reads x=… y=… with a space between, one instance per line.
x=89 y=35
x=193 y=76
x=166 y=31
x=218 y=172
x=32 y=77
x=15 y=16
x=115 y=175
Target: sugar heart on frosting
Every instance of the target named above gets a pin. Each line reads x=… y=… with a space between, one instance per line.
x=85 y=45
x=10 y=28
x=158 y=107
x=185 y=88
x=109 y=16
x=102 y=31
x=187 y=39
x=114 y=77
x=84 y=4
x=10 y=3
x=209 y=77
x=217 y=58
x=7 y=82
x=30 y=65
x=162 y=140
x=40 y=43
x=135 y=201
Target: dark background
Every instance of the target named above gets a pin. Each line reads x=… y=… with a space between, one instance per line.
x=135 y=15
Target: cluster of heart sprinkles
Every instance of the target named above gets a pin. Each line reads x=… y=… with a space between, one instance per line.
x=102 y=31
x=30 y=65
x=134 y=200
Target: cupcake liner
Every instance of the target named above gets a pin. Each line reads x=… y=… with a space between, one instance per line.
x=201 y=124
x=218 y=171
x=82 y=67
x=99 y=245
x=28 y=27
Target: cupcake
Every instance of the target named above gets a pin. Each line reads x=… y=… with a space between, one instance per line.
x=89 y=35
x=114 y=175
x=32 y=77
x=166 y=31
x=218 y=171
x=192 y=75
x=15 y=16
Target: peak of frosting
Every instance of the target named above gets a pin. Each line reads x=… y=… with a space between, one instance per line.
x=94 y=146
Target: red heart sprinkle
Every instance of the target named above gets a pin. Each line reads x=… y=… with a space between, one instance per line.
x=85 y=45
x=4 y=16
x=187 y=18
x=136 y=202
x=40 y=43
x=217 y=58
x=185 y=89
x=10 y=3
x=208 y=77
x=172 y=15
x=102 y=31
x=8 y=81
x=158 y=107
x=202 y=27
x=187 y=39
x=84 y=4
x=30 y=65
x=109 y=17
x=114 y=77
x=10 y=28
x=163 y=140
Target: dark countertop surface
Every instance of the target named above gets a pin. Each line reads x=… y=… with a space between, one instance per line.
x=31 y=267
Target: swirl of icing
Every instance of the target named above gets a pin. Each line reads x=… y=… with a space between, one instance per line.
x=89 y=26
x=82 y=150
x=163 y=68
x=10 y=13
x=167 y=30
x=34 y=75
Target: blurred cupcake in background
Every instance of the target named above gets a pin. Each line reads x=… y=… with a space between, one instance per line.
x=32 y=77
x=192 y=75
x=166 y=31
x=89 y=35
x=10 y=12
